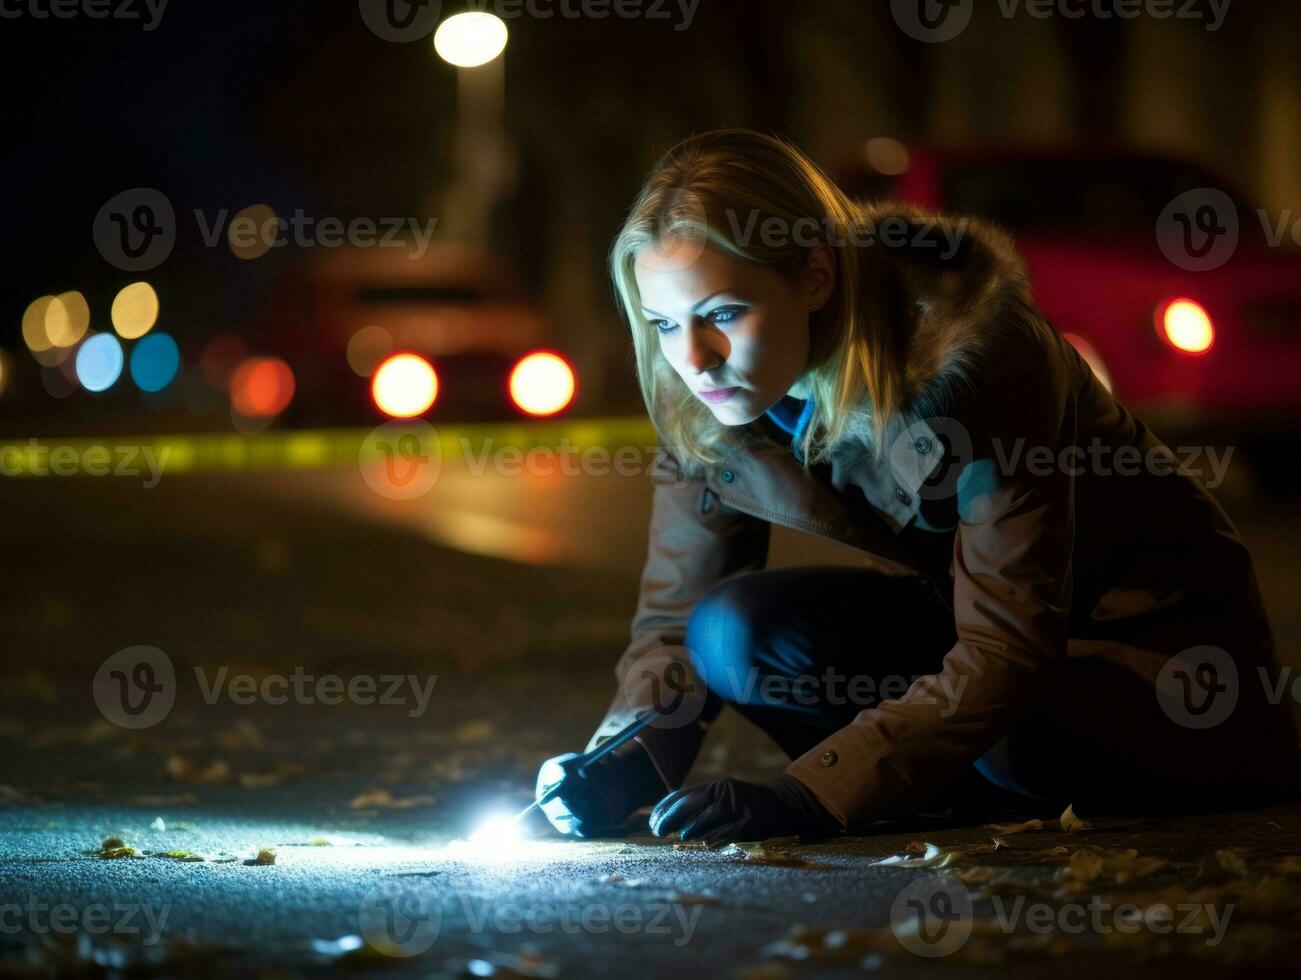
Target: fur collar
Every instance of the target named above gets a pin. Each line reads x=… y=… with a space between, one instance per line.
x=962 y=278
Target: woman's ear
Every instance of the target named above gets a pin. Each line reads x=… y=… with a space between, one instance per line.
x=818 y=280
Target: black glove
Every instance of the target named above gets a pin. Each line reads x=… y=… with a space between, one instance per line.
x=596 y=801
x=731 y=810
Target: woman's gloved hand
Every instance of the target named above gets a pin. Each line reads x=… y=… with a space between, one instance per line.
x=733 y=810
x=596 y=801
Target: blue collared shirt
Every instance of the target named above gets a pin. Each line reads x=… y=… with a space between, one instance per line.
x=792 y=416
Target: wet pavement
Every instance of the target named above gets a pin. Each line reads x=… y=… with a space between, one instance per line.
x=481 y=668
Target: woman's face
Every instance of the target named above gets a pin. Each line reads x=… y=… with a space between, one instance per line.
x=728 y=327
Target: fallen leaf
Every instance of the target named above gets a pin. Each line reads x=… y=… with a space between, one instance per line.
x=115 y=847
x=763 y=852
x=266 y=855
x=1003 y=829
x=1071 y=823
x=934 y=857
x=383 y=799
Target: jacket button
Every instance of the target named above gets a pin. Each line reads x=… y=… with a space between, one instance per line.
x=829 y=758
x=923 y=445
x=728 y=476
x=903 y=497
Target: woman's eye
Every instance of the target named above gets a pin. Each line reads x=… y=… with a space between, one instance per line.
x=726 y=314
x=663 y=326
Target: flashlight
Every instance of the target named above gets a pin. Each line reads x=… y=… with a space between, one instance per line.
x=580 y=763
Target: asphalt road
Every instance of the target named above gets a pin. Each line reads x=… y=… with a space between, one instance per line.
x=493 y=664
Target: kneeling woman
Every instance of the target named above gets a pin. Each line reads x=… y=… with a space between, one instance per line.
x=1065 y=615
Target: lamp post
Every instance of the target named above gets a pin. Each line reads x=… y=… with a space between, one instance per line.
x=473 y=42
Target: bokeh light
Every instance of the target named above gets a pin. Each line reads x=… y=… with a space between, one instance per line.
x=135 y=310
x=367 y=347
x=470 y=39
x=1186 y=325
x=67 y=318
x=887 y=156
x=34 y=335
x=542 y=383
x=155 y=362
x=6 y=372
x=99 y=362
x=404 y=386
x=253 y=232
x=261 y=387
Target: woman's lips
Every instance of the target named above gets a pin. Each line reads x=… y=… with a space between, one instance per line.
x=718 y=395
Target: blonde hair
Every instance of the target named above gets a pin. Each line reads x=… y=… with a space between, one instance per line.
x=709 y=187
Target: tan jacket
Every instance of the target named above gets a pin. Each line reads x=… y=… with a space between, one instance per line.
x=1077 y=556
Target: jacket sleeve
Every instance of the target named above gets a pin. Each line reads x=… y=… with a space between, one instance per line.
x=1011 y=600
x=695 y=542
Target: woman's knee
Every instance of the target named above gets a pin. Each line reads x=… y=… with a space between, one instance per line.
x=725 y=634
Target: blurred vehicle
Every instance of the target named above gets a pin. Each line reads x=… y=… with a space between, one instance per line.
x=347 y=311
x=1214 y=353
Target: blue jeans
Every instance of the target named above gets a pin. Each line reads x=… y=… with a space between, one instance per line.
x=801 y=651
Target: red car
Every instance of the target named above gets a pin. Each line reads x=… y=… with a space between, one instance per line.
x=1184 y=298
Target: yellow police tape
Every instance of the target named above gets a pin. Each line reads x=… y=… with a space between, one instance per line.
x=302 y=449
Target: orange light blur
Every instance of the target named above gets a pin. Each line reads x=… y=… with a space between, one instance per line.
x=542 y=383
x=1186 y=325
x=404 y=386
x=261 y=387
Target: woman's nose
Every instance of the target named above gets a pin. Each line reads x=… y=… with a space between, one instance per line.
x=703 y=352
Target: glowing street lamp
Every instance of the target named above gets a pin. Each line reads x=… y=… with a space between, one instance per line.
x=485 y=164
x=471 y=39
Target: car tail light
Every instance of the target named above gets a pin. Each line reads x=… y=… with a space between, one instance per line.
x=1186 y=326
x=542 y=383
x=404 y=386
